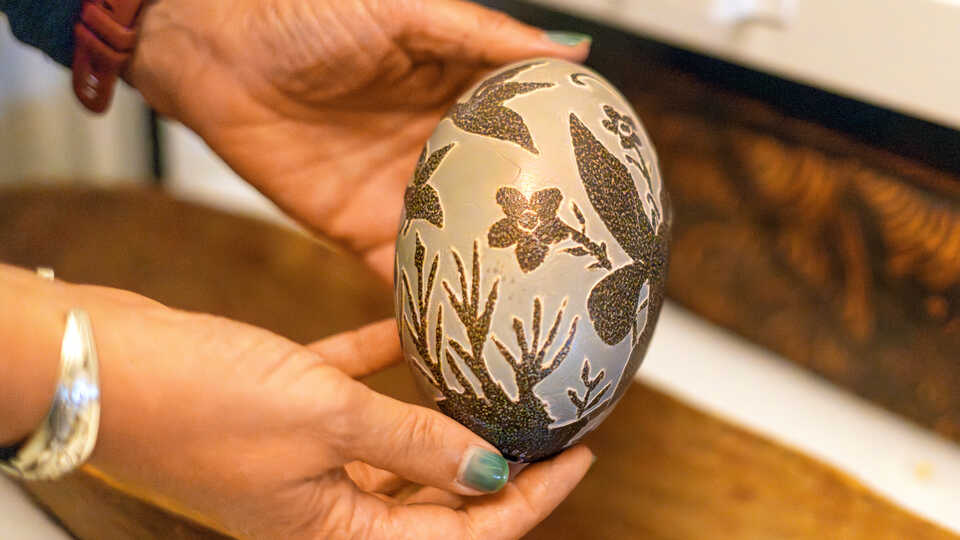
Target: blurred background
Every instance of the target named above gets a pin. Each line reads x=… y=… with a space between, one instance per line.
x=47 y=136
x=819 y=305
x=45 y=133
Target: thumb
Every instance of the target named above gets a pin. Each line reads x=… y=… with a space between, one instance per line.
x=460 y=30
x=419 y=444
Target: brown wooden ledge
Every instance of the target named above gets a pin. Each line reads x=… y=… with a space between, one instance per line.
x=665 y=470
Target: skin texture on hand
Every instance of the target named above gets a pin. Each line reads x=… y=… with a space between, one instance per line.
x=262 y=438
x=324 y=105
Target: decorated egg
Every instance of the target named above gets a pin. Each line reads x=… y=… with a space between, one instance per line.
x=531 y=257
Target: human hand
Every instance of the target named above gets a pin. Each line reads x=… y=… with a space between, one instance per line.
x=262 y=438
x=324 y=105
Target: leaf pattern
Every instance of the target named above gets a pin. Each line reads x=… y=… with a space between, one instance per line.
x=485 y=114
x=611 y=190
x=614 y=302
x=421 y=200
x=426 y=167
x=585 y=403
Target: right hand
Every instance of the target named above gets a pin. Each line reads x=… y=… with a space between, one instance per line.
x=259 y=437
x=324 y=105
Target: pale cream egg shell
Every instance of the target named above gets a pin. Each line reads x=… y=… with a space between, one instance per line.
x=466 y=181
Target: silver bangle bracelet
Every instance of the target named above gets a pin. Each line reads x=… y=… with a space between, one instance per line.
x=65 y=439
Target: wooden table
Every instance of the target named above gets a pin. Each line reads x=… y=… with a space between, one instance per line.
x=665 y=470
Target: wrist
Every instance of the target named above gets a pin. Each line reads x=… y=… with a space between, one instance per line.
x=32 y=335
x=32 y=366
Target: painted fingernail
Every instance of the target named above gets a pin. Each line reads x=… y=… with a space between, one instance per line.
x=570 y=39
x=484 y=470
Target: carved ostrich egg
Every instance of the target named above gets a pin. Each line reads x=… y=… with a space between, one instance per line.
x=532 y=256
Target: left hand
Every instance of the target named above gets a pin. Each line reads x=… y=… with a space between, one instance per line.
x=258 y=437
x=324 y=105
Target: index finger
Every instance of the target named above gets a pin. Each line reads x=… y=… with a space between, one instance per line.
x=363 y=351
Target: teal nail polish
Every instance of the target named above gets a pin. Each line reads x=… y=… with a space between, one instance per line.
x=485 y=471
x=570 y=39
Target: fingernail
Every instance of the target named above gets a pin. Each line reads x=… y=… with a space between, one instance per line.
x=593 y=461
x=484 y=470
x=570 y=39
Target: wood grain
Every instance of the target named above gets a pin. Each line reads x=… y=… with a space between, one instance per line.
x=839 y=256
x=665 y=471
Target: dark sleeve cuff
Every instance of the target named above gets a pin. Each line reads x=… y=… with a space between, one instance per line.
x=44 y=24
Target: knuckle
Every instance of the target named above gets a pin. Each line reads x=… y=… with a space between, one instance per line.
x=383 y=525
x=494 y=21
x=418 y=428
x=341 y=404
x=530 y=508
x=399 y=15
x=339 y=398
x=333 y=512
x=468 y=528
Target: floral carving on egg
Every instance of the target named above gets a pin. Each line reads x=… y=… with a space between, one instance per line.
x=615 y=303
x=531 y=224
x=625 y=127
x=506 y=329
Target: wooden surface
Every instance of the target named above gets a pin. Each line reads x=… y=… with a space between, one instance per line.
x=840 y=257
x=665 y=471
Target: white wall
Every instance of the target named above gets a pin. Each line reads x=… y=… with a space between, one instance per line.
x=899 y=54
x=45 y=132
x=193 y=172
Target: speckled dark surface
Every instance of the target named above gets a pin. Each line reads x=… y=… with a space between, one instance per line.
x=519 y=428
x=485 y=114
x=625 y=301
x=421 y=200
x=615 y=300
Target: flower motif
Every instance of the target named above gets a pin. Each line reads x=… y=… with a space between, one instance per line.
x=530 y=224
x=624 y=126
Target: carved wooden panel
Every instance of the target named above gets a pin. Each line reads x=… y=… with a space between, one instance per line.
x=840 y=256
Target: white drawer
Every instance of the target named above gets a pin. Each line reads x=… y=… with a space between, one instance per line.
x=899 y=54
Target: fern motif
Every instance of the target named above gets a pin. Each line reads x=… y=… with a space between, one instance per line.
x=520 y=426
x=529 y=365
x=586 y=402
x=475 y=322
x=416 y=328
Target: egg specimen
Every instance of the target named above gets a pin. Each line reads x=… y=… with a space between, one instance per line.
x=531 y=257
